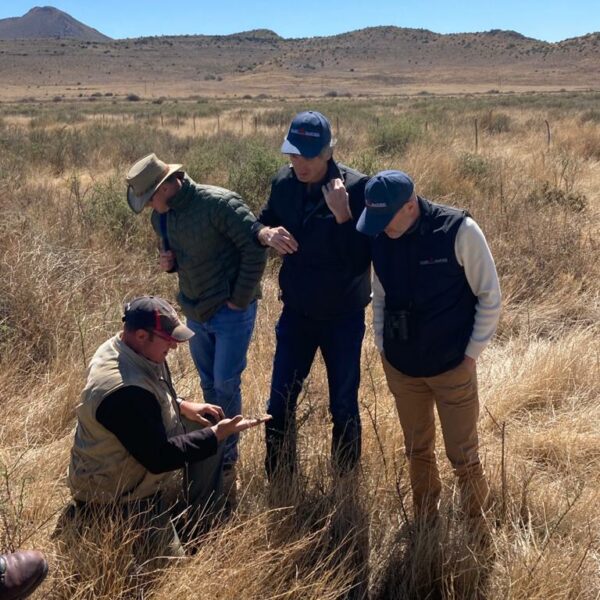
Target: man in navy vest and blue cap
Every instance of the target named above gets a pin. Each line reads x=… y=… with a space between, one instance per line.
x=436 y=305
x=310 y=220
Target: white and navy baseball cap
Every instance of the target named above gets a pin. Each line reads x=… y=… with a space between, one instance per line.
x=385 y=194
x=308 y=134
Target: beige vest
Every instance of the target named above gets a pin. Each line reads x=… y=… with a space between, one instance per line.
x=101 y=469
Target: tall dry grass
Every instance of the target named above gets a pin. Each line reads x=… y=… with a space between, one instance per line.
x=72 y=252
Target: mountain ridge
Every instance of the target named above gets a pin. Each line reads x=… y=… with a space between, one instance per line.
x=48 y=22
x=371 y=60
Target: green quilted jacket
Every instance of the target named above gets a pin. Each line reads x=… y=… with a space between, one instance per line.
x=210 y=231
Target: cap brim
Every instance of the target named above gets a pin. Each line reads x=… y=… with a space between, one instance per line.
x=137 y=203
x=306 y=150
x=182 y=333
x=373 y=224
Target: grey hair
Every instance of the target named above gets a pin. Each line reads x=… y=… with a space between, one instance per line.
x=327 y=151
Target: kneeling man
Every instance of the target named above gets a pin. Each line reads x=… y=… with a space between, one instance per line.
x=134 y=433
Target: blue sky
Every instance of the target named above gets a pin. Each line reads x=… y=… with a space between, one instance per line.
x=548 y=20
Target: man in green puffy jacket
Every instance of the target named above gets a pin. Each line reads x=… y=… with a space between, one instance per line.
x=206 y=238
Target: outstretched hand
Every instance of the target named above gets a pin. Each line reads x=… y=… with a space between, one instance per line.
x=227 y=427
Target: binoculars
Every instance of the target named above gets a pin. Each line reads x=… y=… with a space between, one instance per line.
x=395 y=325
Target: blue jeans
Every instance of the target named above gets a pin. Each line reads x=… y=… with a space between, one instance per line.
x=298 y=338
x=219 y=352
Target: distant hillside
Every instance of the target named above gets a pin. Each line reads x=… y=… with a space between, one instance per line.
x=375 y=60
x=48 y=22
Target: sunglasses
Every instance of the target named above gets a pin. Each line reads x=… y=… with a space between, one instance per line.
x=163 y=335
x=159 y=331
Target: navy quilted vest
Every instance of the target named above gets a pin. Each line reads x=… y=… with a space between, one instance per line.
x=420 y=274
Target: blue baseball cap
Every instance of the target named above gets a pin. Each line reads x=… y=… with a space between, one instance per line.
x=308 y=134
x=385 y=194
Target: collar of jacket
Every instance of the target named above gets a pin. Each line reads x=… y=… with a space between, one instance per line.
x=333 y=171
x=422 y=224
x=183 y=195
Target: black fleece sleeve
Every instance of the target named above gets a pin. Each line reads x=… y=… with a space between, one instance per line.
x=133 y=415
x=268 y=216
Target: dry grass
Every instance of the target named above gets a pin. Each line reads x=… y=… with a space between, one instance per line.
x=72 y=252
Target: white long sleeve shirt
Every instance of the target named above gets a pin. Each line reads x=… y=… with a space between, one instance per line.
x=473 y=254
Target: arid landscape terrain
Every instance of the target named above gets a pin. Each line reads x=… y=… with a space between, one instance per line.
x=373 y=61
x=504 y=126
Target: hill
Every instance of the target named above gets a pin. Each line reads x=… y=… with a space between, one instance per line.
x=375 y=60
x=48 y=22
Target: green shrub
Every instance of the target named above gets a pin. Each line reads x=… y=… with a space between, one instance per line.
x=202 y=163
x=367 y=162
x=473 y=166
x=251 y=172
x=394 y=137
x=548 y=195
x=590 y=116
x=495 y=122
x=105 y=209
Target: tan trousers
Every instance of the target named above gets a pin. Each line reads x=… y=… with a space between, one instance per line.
x=454 y=393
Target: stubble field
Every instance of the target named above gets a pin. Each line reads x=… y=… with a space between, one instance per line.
x=526 y=167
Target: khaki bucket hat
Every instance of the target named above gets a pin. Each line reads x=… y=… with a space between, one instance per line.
x=144 y=178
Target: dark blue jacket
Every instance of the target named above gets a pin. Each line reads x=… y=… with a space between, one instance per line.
x=420 y=274
x=329 y=275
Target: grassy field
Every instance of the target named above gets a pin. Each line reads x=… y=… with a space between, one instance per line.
x=526 y=166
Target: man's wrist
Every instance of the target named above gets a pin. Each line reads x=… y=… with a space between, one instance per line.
x=260 y=236
x=343 y=219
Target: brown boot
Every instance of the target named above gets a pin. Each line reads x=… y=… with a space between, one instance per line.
x=21 y=573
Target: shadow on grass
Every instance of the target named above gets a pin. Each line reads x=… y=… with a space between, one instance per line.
x=338 y=520
x=447 y=560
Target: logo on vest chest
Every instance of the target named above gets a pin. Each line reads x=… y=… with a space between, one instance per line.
x=433 y=261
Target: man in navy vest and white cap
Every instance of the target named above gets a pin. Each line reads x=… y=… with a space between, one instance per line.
x=436 y=305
